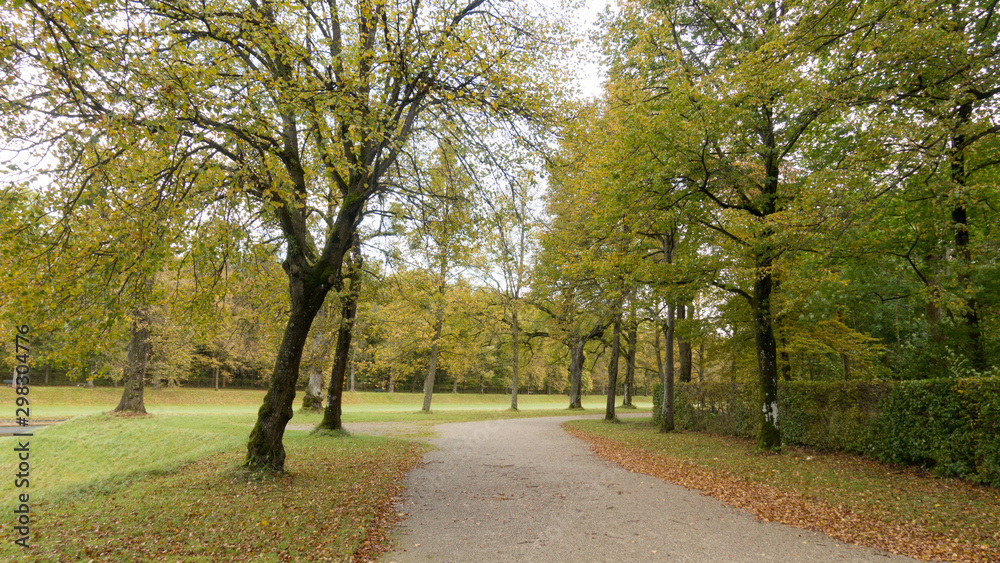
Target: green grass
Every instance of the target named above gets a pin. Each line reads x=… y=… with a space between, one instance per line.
x=167 y=487
x=336 y=494
x=905 y=496
x=58 y=403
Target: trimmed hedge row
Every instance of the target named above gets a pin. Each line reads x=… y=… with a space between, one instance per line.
x=949 y=425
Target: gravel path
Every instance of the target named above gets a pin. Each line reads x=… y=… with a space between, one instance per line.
x=524 y=490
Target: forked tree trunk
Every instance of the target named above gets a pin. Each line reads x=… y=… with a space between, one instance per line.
x=609 y=412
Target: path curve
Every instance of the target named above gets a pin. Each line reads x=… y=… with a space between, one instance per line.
x=524 y=490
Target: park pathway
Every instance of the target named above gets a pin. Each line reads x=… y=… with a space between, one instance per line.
x=524 y=490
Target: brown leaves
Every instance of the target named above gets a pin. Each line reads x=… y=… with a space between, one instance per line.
x=335 y=503
x=771 y=504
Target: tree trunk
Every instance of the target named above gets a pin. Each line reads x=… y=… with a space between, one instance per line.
x=701 y=363
x=354 y=357
x=769 y=437
x=516 y=350
x=137 y=359
x=438 y=327
x=667 y=416
x=333 y=414
x=576 y=359
x=392 y=379
x=46 y=374
x=216 y=370
x=609 y=413
x=960 y=221
x=432 y=369
x=632 y=338
x=265 y=449
x=684 y=348
x=786 y=361
x=656 y=346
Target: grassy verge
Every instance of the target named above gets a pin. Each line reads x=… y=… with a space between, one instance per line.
x=860 y=501
x=169 y=488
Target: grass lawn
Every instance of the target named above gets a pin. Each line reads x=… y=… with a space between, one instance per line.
x=814 y=489
x=59 y=403
x=168 y=487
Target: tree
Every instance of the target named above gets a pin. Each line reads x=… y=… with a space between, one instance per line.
x=728 y=96
x=304 y=107
x=509 y=241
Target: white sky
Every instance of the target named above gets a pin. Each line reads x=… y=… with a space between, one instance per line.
x=591 y=72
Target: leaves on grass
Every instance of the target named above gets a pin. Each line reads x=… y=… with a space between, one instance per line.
x=335 y=503
x=771 y=504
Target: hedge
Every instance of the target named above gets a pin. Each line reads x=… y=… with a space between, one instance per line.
x=951 y=426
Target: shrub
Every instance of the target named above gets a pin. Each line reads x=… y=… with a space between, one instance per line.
x=830 y=415
x=949 y=425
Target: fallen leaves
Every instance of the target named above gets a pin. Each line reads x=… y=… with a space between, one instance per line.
x=335 y=503
x=772 y=504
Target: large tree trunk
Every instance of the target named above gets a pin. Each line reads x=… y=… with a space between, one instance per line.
x=517 y=359
x=684 y=348
x=769 y=437
x=667 y=415
x=576 y=358
x=609 y=412
x=137 y=360
x=960 y=220
x=332 y=415
x=265 y=449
